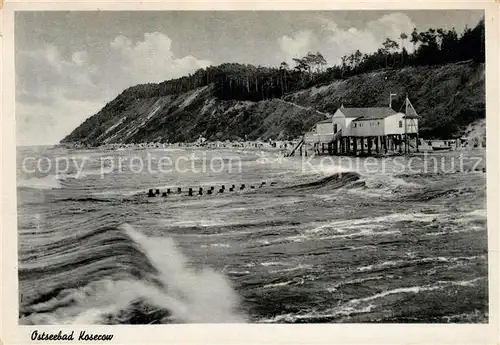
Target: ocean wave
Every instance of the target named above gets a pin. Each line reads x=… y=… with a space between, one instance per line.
x=102 y=279
x=294 y=281
x=366 y=304
x=47 y=182
x=334 y=181
x=403 y=263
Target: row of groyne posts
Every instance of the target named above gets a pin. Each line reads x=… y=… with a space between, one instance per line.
x=209 y=191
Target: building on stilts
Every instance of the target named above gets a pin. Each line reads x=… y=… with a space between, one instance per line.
x=364 y=132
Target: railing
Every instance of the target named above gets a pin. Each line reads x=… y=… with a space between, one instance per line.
x=299 y=144
x=311 y=138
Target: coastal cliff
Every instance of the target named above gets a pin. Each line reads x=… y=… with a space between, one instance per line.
x=450 y=98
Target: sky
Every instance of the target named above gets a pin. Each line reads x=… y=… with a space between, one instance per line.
x=70 y=64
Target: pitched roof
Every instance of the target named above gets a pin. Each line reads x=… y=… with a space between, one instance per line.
x=368 y=113
x=326 y=121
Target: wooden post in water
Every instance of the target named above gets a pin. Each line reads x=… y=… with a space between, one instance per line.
x=355 y=145
x=369 y=145
x=376 y=144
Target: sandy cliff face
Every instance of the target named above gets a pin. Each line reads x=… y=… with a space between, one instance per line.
x=449 y=98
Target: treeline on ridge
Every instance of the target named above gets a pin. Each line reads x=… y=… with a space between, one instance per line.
x=256 y=83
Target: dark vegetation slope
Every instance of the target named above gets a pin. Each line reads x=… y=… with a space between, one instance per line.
x=444 y=77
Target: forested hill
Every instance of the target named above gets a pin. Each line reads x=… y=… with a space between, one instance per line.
x=444 y=77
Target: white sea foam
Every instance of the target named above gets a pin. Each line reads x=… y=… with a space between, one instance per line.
x=341 y=226
x=481 y=213
x=295 y=281
x=396 y=263
x=201 y=296
x=216 y=245
x=189 y=295
x=365 y=305
x=291 y=269
x=47 y=182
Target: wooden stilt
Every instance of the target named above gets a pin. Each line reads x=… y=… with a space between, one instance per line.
x=369 y=146
x=355 y=146
x=376 y=145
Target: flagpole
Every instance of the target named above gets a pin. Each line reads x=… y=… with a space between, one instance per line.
x=406 y=130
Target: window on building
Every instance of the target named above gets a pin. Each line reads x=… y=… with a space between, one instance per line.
x=354 y=125
x=400 y=124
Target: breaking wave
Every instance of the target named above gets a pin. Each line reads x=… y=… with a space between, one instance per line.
x=119 y=275
x=333 y=181
x=47 y=182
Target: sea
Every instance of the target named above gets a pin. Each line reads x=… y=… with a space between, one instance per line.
x=315 y=239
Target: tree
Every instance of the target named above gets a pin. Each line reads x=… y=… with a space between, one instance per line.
x=300 y=64
x=403 y=38
x=415 y=38
x=321 y=61
x=357 y=58
x=449 y=45
x=344 y=65
x=283 y=73
x=389 y=47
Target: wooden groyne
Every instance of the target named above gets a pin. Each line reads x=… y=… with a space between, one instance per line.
x=209 y=190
